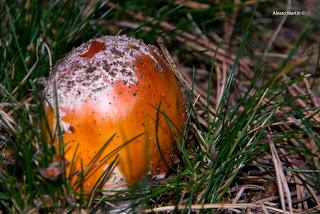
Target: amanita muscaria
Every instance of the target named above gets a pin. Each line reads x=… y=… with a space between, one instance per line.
x=116 y=85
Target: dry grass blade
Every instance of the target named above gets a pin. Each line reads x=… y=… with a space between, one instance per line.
x=7 y=120
x=193 y=4
x=243 y=188
x=279 y=210
x=264 y=209
x=230 y=23
x=179 y=74
x=295 y=91
x=315 y=99
x=201 y=207
x=275 y=34
x=196 y=27
x=221 y=81
x=172 y=65
x=281 y=178
x=312 y=210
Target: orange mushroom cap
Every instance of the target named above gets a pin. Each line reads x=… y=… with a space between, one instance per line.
x=116 y=85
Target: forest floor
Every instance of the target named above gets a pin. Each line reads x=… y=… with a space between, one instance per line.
x=250 y=71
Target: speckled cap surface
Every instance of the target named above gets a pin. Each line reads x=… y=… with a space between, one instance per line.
x=87 y=71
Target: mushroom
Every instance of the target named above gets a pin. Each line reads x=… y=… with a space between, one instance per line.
x=116 y=85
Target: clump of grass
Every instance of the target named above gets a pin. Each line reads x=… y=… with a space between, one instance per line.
x=229 y=142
